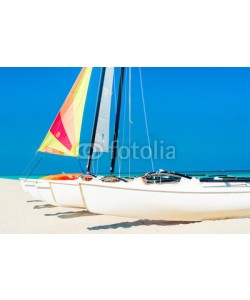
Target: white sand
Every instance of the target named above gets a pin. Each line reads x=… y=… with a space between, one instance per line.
x=20 y=214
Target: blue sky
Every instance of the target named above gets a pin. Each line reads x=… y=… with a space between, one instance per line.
x=202 y=112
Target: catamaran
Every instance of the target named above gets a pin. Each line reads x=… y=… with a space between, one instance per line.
x=63 y=138
x=161 y=195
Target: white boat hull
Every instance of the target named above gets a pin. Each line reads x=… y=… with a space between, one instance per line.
x=61 y=192
x=29 y=186
x=173 y=202
x=184 y=201
x=55 y=192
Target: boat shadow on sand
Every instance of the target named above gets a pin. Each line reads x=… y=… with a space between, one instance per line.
x=43 y=206
x=63 y=215
x=31 y=201
x=140 y=223
x=71 y=214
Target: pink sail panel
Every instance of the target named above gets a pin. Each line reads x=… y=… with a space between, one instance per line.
x=60 y=133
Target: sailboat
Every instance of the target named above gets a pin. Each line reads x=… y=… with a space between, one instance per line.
x=166 y=195
x=161 y=195
x=63 y=138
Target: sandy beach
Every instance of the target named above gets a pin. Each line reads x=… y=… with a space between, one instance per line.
x=21 y=214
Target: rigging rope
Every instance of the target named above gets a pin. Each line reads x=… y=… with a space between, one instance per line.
x=92 y=169
x=29 y=165
x=79 y=162
x=97 y=165
x=36 y=165
x=129 y=120
x=146 y=122
x=129 y=96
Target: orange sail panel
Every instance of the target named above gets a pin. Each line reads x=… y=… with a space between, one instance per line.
x=63 y=137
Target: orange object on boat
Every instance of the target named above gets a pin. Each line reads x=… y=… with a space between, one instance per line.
x=88 y=178
x=62 y=177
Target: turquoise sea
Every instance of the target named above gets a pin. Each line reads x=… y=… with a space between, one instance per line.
x=193 y=173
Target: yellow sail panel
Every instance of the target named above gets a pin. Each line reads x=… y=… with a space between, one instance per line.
x=63 y=137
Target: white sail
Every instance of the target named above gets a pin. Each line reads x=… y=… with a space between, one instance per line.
x=102 y=131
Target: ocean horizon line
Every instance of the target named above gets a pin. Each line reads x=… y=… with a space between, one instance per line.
x=126 y=174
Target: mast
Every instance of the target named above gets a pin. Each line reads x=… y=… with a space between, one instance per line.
x=115 y=140
x=96 y=120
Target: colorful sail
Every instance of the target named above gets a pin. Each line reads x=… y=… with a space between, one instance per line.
x=102 y=131
x=63 y=137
